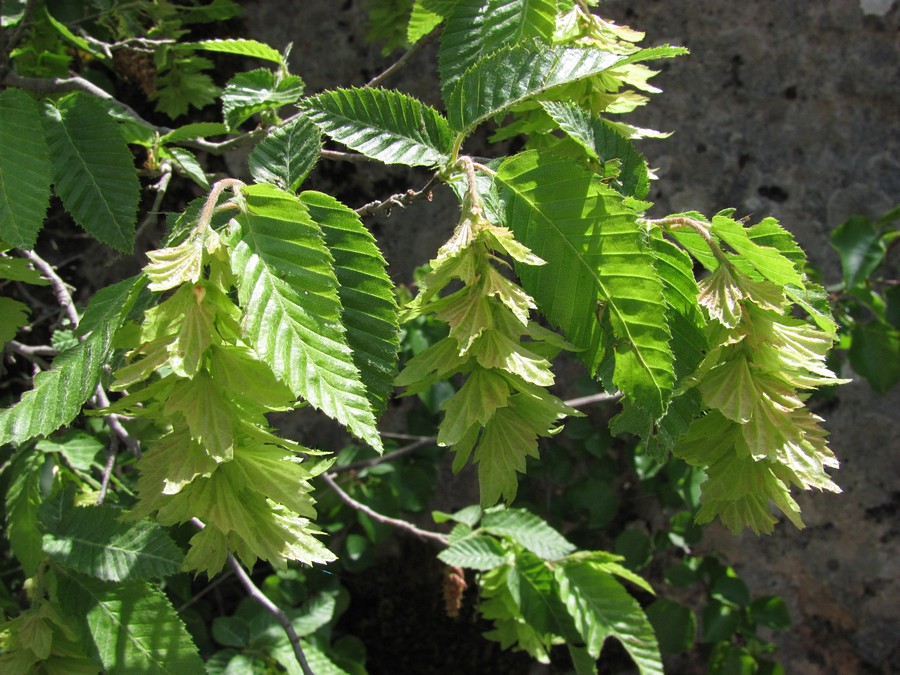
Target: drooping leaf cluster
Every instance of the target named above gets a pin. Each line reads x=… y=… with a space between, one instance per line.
x=272 y=298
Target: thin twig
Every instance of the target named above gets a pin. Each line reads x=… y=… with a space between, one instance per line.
x=111 y=452
x=387 y=457
x=161 y=187
x=402 y=61
x=60 y=289
x=374 y=515
x=64 y=298
x=29 y=351
x=602 y=397
x=273 y=609
x=206 y=589
x=403 y=199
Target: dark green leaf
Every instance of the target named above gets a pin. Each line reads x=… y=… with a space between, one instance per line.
x=191 y=131
x=133 y=626
x=602 y=608
x=287 y=155
x=292 y=313
x=59 y=393
x=478 y=27
x=528 y=530
x=79 y=449
x=366 y=294
x=730 y=590
x=23 y=498
x=386 y=125
x=13 y=315
x=19 y=269
x=771 y=611
x=674 y=624
x=25 y=170
x=257 y=90
x=231 y=631
x=861 y=249
x=94 y=170
x=635 y=547
x=603 y=142
x=719 y=621
x=598 y=265
x=185 y=85
x=475 y=553
x=93 y=541
x=513 y=74
x=875 y=354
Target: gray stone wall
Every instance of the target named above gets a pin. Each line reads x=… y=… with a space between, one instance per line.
x=785 y=108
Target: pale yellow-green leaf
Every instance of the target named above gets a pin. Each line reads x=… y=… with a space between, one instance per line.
x=170 y=267
x=496 y=350
x=207 y=413
x=474 y=404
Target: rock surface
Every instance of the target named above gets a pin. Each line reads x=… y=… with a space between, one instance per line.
x=784 y=109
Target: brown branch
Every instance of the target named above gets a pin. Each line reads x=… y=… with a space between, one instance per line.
x=273 y=609
x=387 y=457
x=602 y=397
x=436 y=537
x=403 y=199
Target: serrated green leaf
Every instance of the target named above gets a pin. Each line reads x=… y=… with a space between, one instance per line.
x=597 y=261
x=685 y=319
x=287 y=155
x=386 y=125
x=187 y=162
x=257 y=90
x=538 y=598
x=14 y=315
x=421 y=22
x=476 y=553
x=768 y=261
x=477 y=28
x=861 y=248
x=528 y=530
x=602 y=608
x=366 y=294
x=474 y=404
x=603 y=141
x=25 y=170
x=19 y=269
x=93 y=169
x=133 y=626
x=516 y=73
x=674 y=624
x=23 y=498
x=185 y=85
x=93 y=541
x=79 y=449
x=195 y=130
x=242 y=47
x=59 y=393
x=292 y=314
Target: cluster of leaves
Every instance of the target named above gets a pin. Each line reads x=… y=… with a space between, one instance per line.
x=273 y=298
x=539 y=591
x=867 y=299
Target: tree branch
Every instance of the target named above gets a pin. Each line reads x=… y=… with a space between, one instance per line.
x=386 y=457
x=403 y=199
x=436 y=537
